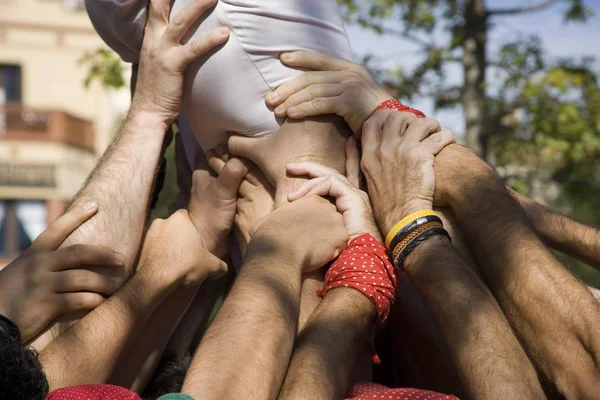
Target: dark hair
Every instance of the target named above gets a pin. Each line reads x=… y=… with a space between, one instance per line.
x=169 y=375
x=21 y=374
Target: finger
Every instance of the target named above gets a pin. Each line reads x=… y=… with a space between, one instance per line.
x=314 y=60
x=437 y=141
x=83 y=254
x=395 y=127
x=248 y=147
x=60 y=229
x=183 y=20
x=295 y=85
x=420 y=129
x=215 y=267
x=324 y=186
x=313 y=170
x=202 y=45
x=215 y=162
x=230 y=178
x=310 y=93
x=320 y=106
x=158 y=14
x=81 y=280
x=371 y=132
x=69 y=302
x=353 y=172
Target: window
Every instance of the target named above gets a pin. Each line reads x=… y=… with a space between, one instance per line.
x=10 y=84
x=21 y=221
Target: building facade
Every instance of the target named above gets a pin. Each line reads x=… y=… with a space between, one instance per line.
x=52 y=129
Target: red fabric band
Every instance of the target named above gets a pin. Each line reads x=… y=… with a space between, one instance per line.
x=365 y=266
x=397 y=105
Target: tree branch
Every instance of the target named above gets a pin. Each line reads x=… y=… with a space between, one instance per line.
x=521 y=10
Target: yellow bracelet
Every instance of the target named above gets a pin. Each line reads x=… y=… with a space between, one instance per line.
x=404 y=222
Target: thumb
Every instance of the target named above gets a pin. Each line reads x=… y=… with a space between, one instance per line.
x=230 y=178
x=214 y=266
x=248 y=147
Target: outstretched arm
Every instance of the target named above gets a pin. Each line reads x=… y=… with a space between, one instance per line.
x=174 y=257
x=562 y=233
x=123 y=178
x=246 y=350
x=398 y=158
x=544 y=303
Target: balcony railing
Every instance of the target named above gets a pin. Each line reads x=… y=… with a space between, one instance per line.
x=25 y=123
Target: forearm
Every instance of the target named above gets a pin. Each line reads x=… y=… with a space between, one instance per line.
x=246 y=350
x=145 y=351
x=327 y=348
x=487 y=356
x=542 y=300
x=121 y=184
x=563 y=233
x=90 y=349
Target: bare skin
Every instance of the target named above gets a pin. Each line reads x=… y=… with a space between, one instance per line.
x=544 y=303
x=562 y=233
x=122 y=181
x=247 y=347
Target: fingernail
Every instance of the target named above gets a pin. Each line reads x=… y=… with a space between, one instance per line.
x=273 y=96
x=120 y=258
x=292 y=111
x=287 y=57
x=224 y=31
x=291 y=165
x=90 y=205
x=280 y=109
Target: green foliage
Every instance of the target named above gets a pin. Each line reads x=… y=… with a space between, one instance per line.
x=543 y=116
x=103 y=66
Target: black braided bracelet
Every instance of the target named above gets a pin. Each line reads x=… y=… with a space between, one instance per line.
x=399 y=261
x=8 y=328
x=411 y=227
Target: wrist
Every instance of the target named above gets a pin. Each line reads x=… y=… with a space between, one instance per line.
x=351 y=302
x=390 y=220
x=159 y=277
x=263 y=244
x=146 y=120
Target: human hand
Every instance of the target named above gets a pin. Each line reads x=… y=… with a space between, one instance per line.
x=256 y=199
x=213 y=201
x=176 y=252
x=398 y=157
x=350 y=201
x=334 y=87
x=163 y=58
x=309 y=230
x=44 y=283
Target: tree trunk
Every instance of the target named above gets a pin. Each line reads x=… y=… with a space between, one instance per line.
x=474 y=64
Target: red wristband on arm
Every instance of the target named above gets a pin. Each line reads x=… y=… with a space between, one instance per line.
x=394 y=104
x=365 y=266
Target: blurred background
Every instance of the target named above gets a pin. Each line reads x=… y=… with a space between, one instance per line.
x=515 y=80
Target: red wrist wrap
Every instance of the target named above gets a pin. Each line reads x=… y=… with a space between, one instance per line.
x=365 y=266
x=397 y=105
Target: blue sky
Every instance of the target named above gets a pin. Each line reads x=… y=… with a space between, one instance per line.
x=559 y=40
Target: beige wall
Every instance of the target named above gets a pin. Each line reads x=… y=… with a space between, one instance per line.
x=72 y=167
x=47 y=40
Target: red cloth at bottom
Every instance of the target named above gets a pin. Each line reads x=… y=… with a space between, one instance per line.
x=369 y=391
x=93 y=392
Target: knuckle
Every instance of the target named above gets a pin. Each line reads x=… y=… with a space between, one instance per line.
x=178 y=22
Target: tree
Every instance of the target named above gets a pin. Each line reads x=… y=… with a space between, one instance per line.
x=465 y=26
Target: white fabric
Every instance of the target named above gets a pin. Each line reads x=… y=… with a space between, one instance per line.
x=225 y=90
